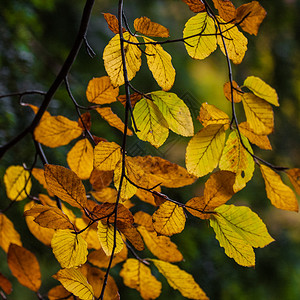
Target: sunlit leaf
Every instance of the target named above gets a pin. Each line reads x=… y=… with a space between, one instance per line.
x=180 y=280
x=150 y=122
x=210 y=114
x=24 y=266
x=195 y=5
x=261 y=89
x=75 y=282
x=145 y=26
x=237 y=92
x=56 y=131
x=59 y=292
x=294 y=176
x=204 y=41
x=5 y=284
x=226 y=9
x=113 y=59
x=138 y=276
x=204 y=150
x=281 y=195
x=112 y=22
x=144 y=219
x=17 y=183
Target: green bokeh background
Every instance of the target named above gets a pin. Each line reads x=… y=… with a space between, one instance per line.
x=35 y=38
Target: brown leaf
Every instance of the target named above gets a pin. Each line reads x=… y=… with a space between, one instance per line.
x=294 y=176
x=106 y=195
x=145 y=26
x=112 y=22
x=5 y=284
x=101 y=179
x=226 y=9
x=195 y=5
x=87 y=121
x=24 y=266
x=237 y=92
x=134 y=98
x=133 y=236
x=59 y=292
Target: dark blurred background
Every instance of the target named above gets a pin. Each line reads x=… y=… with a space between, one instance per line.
x=35 y=38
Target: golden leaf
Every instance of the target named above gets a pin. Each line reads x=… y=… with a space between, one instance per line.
x=112 y=119
x=199 y=34
x=294 y=176
x=180 y=280
x=138 y=276
x=101 y=91
x=152 y=125
x=8 y=234
x=69 y=249
x=56 y=131
x=24 y=266
x=261 y=89
x=113 y=59
x=66 y=185
x=204 y=150
x=195 y=5
x=106 y=237
x=169 y=219
x=145 y=26
x=38 y=174
x=249 y=16
x=112 y=22
x=226 y=9
x=161 y=246
x=236 y=158
x=237 y=92
x=35 y=109
x=106 y=195
x=175 y=112
x=281 y=195
x=144 y=219
x=59 y=292
x=235 y=41
x=17 y=183
x=210 y=114
x=259 y=114
x=106 y=156
x=5 y=284
x=75 y=282
x=238 y=229
x=159 y=63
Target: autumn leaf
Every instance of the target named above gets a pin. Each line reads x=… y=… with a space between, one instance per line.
x=238 y=229
x=66 y=185
x=106 y=195
x=169 y=219
x=144 y=219
x=101 y=179
x=294 y=176
x=138 y=276
x=261 y=89
x=35 y=109
x=8 y=233
x=237 y=92
x=59 y=292
x=24 y=266
x=17 y=183
x=210 y=114
x=113 y=59
x=226 y=9
x=175 y=112
x=199 y=34
x=56 y=131
x=38 y=174
x=80 y=159
x=112 y=22
x=85 y=121
x=249 y=16
x=75 y=282
x=195 y=5
x=180 y=280
x=145 y=26
x=281 y=195
x=259 y=114
x=134 y=98
x=204 y=150
x=69 y=249
x=5 y=284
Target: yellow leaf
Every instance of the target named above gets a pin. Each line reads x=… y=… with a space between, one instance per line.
x=145 y=26
x=138 y=276
x=175 y=112
x=226 y=9
x=75 y=282
x=259 y=114
x=69 y=249
x=66 y=185
x=112 y=119
x=113 y=59
x=204 y=42
x=159 y=63
x=101 y=91
x=49 y=217
x=56 y=131
x=106 y=156
x=17 y=183
x=106 y=237
x=281 y=195
x=180 y=280
x=210 y=114
x=169 y=219
x=262 y=141
x=237 y=92
x=161 y=246
x=152 y=125
x=235 y=158
x=235 y=41
x=24 y=266
x=261 y=89
x=238 y=229
x=80 y=159
x=8 y=234
x=294 y=176
x=204 y=150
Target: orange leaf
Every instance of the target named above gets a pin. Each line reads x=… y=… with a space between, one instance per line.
x=5 y=285
x=195 y=5
x=144 y=219
x=145 y=26
x=134 y=98
x=294 y=176
x=133 y=236
x=106 y=194
x=66 y=185
x=59 y=292
x=24 y=266
x=86 y=118
x=101 y=179
x=226 y=9
x=237 y=92
x=112 y=22
x=36 y=109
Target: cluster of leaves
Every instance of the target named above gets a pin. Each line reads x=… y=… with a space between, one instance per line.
x=95 y=229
